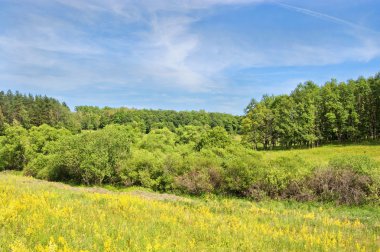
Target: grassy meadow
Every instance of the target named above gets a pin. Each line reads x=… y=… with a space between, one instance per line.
x=203 y=129
x=36 y=215
x=322 y=155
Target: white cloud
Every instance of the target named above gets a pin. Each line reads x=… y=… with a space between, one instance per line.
x=166 y=46
x=166 y=52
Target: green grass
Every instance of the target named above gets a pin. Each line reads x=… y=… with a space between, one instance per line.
x=37 y=215
x=321 y=155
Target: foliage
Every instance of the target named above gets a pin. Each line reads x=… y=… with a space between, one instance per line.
x=94 y=118
x=90 y=157
x=194 y=160
x=360 y=164
x=341 y=186
x=13 y=148
x=312 y=115
x=197 y=152
x=201 y=174
x=28 y=111
x=215 y=137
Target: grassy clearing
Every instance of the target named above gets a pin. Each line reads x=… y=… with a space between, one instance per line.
x=40 y=216
x=321 y=155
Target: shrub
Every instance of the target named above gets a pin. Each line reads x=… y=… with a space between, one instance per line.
x=360 y=164
x=240 y=173
x=145 y=168
x=195 y=182
x=255 y=192
x=202 y=174
x=173 y=163
x=281 y=172
x=36 y=165
x=13 y=148
x=215 y=137
x=40 y=136
x=299 y=190
x=342 y=186
x=159 y=139
x=89 y=157
x=189 y=134
x=164 y=161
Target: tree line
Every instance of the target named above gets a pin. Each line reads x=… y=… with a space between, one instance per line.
x=29 y=110
x=92 y=118
x=311 y=115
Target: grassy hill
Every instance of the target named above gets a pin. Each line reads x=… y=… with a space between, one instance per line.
x=36 y=215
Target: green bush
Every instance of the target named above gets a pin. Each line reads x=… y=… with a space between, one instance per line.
x=281 y=172
x=13 y=148
x=93 y=157
x=215 y=137
x=142 y=168
x=189 y=134
x=194 y=160
x=361 y=164
x=34 y=167
x=240 y=173
x=159 y=139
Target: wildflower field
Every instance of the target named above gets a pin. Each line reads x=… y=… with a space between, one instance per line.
x=37 y=215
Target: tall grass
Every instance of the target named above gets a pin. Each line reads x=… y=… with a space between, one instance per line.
x=43 y=216
x=322 y=155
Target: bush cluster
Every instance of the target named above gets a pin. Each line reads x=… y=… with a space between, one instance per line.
x=193 y=160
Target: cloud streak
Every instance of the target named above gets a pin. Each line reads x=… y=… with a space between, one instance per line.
x=162 y=46
x=324 y=16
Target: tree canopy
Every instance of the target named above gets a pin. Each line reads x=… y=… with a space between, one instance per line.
x=311 y=114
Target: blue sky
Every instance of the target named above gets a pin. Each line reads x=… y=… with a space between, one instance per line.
x=183 y=54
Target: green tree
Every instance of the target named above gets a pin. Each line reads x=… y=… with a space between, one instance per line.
x=215 y=137
x=306 y=97
x=13 y=148
x=285 y=124
x=2 y=122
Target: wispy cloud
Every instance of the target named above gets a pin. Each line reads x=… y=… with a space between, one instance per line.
x=322 y=16
x=163 y=45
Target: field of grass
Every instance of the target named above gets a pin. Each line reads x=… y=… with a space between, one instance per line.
x=321 y=155
x=37 y=215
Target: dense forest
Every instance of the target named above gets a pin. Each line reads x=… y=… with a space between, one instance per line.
x=312 y=114
x=92 y=118
x=198 y=152
x=29 y=110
